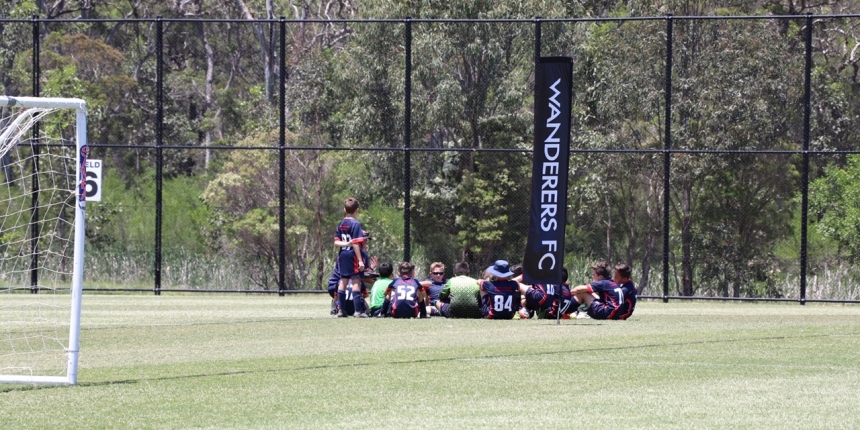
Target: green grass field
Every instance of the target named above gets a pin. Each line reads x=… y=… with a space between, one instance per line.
x=283 y=362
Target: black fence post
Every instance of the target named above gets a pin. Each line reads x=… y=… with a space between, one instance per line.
x=667 y=157
x=804 y=185
x=407 y=143
x=34 y=190
x=282 y=157
x=159 y=141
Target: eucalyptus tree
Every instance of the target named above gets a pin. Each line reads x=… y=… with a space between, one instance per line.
x=471 y=86
x=616 y=197
x=734 y=89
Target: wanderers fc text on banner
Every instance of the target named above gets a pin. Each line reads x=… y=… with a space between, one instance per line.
x=545 y=247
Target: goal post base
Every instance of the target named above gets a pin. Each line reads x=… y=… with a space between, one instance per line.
x=22 y=379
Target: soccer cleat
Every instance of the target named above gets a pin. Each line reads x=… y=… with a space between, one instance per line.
x=524 y=313
x=360 y=315
x=582 y=315
x=340 y=314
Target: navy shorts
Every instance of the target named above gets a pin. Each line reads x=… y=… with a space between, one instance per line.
x=443 y=310
x=534 y=297
x=599 y=310
x=347 y=265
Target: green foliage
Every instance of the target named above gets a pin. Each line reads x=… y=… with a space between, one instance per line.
x=244 y=199
x=385 y=224
x=834 y=201
x=124 y=217
x=736 y=86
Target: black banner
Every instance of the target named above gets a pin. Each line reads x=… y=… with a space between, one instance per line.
x=545 y=248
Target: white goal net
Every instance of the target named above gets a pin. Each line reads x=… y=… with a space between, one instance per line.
x=43 y=148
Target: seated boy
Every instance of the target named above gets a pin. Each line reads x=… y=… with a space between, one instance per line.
x=461 y=297
x=541 y=300
x=500 y=294
x=435 y=284
x=379 y=304
x=607 y=300
x=407 y=296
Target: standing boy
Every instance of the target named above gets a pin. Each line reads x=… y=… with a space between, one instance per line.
x=334 y=281
x=349 y=238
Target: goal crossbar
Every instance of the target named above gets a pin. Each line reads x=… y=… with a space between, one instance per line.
x=43 y=102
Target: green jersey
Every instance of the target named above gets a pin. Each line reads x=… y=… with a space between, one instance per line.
x=464 y=296
x=377 y=293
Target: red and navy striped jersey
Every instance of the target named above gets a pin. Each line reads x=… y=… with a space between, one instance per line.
x=621 y=298
x=348 y=230
x=502 y=300
x=405 y=301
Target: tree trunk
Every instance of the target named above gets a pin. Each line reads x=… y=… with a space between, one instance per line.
x=210 y=70
x=265 y=49
x=686 y=244
x=608 y=223
x=319 y=214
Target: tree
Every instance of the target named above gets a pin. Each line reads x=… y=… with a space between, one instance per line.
x=721 y=101
x=835 y=204
x=245 y=199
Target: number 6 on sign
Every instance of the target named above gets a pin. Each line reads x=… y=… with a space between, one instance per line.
x=94 y=180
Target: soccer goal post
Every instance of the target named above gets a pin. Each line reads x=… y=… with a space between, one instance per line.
x=43 y=152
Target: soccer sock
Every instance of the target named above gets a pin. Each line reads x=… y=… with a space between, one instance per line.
x=356 y=301
x=341 y=300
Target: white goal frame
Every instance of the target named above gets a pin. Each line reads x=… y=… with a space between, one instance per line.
x=73 y=346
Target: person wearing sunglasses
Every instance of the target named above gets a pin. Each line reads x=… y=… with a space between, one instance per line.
x=434 y=286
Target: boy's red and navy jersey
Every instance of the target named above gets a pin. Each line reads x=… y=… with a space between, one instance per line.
x=405 y=299
x=540 y=297
x=566 y=297
x=544 y=299
x=502 y=300
x=619 y=300
x=349 y=230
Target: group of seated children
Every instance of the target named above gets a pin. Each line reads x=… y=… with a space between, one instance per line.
x=499 y=294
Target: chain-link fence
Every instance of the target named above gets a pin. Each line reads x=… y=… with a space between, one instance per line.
x=229 y=146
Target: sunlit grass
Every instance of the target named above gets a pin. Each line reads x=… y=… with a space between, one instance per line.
x=234 y=361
